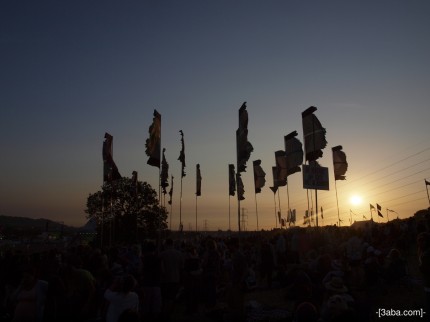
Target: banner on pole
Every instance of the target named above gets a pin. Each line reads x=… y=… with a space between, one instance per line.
x=315 y=177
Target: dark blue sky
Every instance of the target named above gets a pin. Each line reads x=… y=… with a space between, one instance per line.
x=71 y=71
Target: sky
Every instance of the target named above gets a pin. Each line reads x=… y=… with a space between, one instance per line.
x=73 y=70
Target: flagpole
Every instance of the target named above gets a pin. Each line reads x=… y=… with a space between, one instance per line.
x=288 y=199
x=337 y=202
x=274 y=201
x=256 y=209
x=428 y=197
x=196 y=212
x=279 y=202
x=180 y=206
x=229 y=201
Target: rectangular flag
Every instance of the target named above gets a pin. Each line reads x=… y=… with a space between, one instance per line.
x=281 y=168
x=275 y=179
x=339 y=163
x=231 y=180
x=293 y=153
x=243 y=146
x=372 y=207
x=182 y=155
x=198 y=181
x=153 y=143
x=427 y=182
x=110 y=170
x=240 y=187
x=314 y=135
x=259 y=176
x=171 y=191
x=164 y=176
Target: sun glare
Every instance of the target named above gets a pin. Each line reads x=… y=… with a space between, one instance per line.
x=355 y=200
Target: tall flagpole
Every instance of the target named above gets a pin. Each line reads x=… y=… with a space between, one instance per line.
x=180 y=207
x=256 y=209
x=229 y=227
x=279 y=202
x=428 y=197
x=337 y=203
x=276 y=213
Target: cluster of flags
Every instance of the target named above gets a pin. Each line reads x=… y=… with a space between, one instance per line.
x=378 y=210
x=287 y=161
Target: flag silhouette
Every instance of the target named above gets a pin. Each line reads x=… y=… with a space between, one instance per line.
x=314 y=135
x=153 y=143
x=259 y=176
x=240 y=187
x=171 y=191
x=281 y=168
x=231 y=180
x=110 y=170
x=339 y=163
x=164 y=173
x=198 y=181
x=293 y=153
x=243 y=146
x=182 y=155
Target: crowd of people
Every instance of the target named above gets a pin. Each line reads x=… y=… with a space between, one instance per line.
x=323 y=273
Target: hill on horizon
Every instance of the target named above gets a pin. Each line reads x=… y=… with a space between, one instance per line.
x=11 y=222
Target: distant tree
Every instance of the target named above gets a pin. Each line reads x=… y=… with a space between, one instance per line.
x=125 y=209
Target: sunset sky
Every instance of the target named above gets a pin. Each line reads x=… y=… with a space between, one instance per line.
x=73 y=70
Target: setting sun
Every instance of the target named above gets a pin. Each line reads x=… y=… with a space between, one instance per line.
x=355 y=200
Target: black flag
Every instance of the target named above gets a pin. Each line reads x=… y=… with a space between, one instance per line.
x=314 y=135
x=339 y=163
x=110 y=170
x=243 y=146
x=231 y=180
x=182 y=154
x=198 y=181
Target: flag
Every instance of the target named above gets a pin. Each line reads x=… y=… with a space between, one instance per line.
x=274 y=189
x=243 y=146
x=164 y=173
x=231 y=180
x=379 y=210
x=259 y=176
x=275 y=179
x=182 y=154
x=314 y=135
x=281 y=168
x=153 y=143
x=198 y=181
x=339 y=163
x=427 y=182
x=110 y=170
x=391 y=210
x=171 y=191
x=293 y=153
x=240 y=187
x=371 y=207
